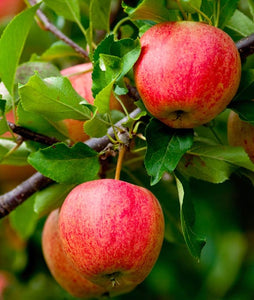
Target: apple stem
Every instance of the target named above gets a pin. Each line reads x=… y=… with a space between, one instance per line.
x=122 y=150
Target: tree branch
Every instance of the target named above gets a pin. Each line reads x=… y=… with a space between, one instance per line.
x=27 y=134
x=47 y=25
x=36 y=182
x=245 y=46
x=9 y=201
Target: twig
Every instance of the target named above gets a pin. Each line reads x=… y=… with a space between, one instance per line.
x=47 y=25
x=27 y=188
x=27 y=134
x=12 y=199
x=245 y=46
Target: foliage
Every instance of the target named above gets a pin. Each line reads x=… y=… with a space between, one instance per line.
x=198 y=178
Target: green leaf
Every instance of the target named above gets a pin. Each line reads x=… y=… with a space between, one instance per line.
x=251 y=7
x=67 y=165
x=5 y=95
x=194 y=242
x=207 y=7
x=227 y=10
x=109 y=70
x=99 y=14
x=18 y=157
x=40 y=124
x=240 y=24
x=28 y=69
x=69 y=9
x=245 y=110
x=191 y=6
x=246 y=88
x=58 y=49
x=23 y=219
x=112 y=61
x=50 y=198
x=3 y=122
x=12 y=43
x=96 y=127
x=148 y=10
x=54 y=98
x=165 y=147
x=213 y=163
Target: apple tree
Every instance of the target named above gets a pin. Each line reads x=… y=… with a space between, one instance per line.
x=74 y=109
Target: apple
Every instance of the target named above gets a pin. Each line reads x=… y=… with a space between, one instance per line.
x=11 y=175
x=113 y=232
x=241 y=133
x=9 y=8
x=187 y=72
x=60 y=266
x=4 y=283
x=80 y=77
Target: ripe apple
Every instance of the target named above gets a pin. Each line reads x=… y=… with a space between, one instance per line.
x=10 y=175
x=241 y=133
x=60 y=266
x=187 y=72
x=4 y=283
x=9 y=8
x=80 y=77
x=113 y=232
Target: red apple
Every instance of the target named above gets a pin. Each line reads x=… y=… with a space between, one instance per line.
x=9 y=8
x=60 y=266
x=113 y=232
x=187 y=72
x=241 y=133
x=4 y=283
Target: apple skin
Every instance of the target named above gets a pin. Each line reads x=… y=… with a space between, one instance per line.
x=241 y=134
x=80 y=77
x=187 y=72
x=9 y=8
x=113 y=232
x=60 y=266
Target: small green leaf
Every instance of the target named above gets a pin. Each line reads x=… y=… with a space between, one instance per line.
x=18 y=157
x=165 y=147
x=58 y=49
x=191 y=6
x=251 y=7
x=40 y=124
x=194 y=242
x=69 y=9
x=28 y=69
x=23 y=219
x=50 y=198
x=227 y=10
x=148 y=10
x=246 y=88
x=240 y=24
x=67 y=165
x=54 y=98
x=108 y=71
x=112 y=61
x=99 y=14
x=3 y=122
x=12 y=43
x=213 y=163
x=245 y=110
x=96 y=127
